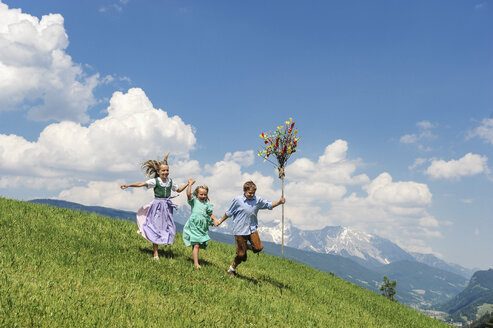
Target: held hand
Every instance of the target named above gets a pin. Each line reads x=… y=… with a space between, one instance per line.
x=123 y=186
x=191 y=182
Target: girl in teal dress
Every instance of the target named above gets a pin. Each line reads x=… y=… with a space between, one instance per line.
x=196 y=230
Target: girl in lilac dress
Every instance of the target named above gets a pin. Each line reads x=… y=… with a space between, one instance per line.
x=155 y=220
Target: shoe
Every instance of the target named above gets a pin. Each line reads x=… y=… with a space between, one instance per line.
x=156 y=257
x=231 y=273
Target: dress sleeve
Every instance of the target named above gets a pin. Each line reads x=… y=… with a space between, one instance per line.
x=151 y=183
x=209 y=208
x=174 y=186
x=191 y=201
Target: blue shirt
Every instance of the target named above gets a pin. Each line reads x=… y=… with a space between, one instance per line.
x=244 y=213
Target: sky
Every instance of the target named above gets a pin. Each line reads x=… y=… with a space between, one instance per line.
x=392 y=100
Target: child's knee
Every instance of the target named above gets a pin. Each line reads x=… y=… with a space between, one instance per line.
x=241 y=255
x=258 y=249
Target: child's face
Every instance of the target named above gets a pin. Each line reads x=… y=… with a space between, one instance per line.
x=202 y=194
x=250 y=193
x=163 y=172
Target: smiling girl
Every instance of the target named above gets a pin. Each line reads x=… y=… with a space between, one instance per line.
x=155 y=220
x=196 y=230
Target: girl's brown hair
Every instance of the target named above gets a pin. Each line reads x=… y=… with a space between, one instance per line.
x=196 y=191
x=151 y=167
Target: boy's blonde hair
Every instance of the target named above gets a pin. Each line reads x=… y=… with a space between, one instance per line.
x=196 y=191
x=151 y=166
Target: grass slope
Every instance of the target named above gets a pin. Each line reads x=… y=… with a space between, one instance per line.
x=60 y=267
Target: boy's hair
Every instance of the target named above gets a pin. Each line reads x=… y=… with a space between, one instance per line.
x=249 y=185
x=151 y=166
x=196 y=191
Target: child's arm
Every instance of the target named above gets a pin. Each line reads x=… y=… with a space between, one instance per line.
x=214 y=220
x=222 y=219
x=135 y=184
x=181 y=188
x=282 y=200
x=189 y=188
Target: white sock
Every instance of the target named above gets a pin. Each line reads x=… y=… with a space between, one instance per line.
x=231 y=268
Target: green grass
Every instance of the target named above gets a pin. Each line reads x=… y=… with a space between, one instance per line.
x=63 y=268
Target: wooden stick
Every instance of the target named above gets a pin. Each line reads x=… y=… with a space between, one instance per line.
x=282 y=234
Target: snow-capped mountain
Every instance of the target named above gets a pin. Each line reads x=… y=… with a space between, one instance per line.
x=367 y=249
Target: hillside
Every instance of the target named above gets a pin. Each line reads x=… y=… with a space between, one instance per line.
x=68 y=268
x=474 y=301
x=418 y=285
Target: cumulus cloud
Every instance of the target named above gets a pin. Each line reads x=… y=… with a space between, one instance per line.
x=470 y=164
x=244 y=158
x=34 y=67
x=332 y=167
x=484 y=131
x=132 y=132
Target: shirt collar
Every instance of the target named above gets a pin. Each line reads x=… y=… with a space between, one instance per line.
x=245 y=199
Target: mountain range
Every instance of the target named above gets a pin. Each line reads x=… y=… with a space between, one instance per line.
x=355 y=256
x=366 y=249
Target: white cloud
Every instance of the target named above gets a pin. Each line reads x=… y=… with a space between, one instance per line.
x=244 y=158
x=425 y=134
x=470 y=164
x=484 y=131
x=332 y=167
x=35 y=68
x=417 y=162
x=383 y=191
x=132 y=132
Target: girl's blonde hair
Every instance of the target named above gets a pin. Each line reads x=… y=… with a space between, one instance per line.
x=151 y=166
x=196 y=191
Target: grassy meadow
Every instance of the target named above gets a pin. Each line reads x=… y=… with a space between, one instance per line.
x=64 y=268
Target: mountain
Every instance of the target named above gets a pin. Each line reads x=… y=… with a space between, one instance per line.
x=435 y=262
x=364 y=248
x=474 y=300
x=417 y=284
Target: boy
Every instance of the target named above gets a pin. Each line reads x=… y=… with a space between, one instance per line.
x=244 y=210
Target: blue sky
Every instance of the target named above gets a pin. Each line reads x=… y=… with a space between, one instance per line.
x=393 y=102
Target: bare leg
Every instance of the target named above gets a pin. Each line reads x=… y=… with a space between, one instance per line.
x=195 y=253
x=156 y=254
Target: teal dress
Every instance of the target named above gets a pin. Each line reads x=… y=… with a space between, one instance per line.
x=196 y=230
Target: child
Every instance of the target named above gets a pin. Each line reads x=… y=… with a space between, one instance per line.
x=244 y=210
x=155 y=220
x=196 y=230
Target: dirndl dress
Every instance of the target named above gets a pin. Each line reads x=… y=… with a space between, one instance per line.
x=155 y=220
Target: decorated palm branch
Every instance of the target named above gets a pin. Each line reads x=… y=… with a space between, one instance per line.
x=278 y=147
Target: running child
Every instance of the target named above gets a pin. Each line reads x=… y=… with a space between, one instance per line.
x=155 y=220
x=244 y=211
x=196 y=230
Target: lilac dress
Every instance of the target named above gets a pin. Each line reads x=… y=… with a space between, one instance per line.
x=155 y=220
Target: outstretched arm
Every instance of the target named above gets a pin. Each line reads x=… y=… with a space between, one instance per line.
x=189 y=188
x=222 y=219
x=282 y=200
x=135 y=184
x=181 y=188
